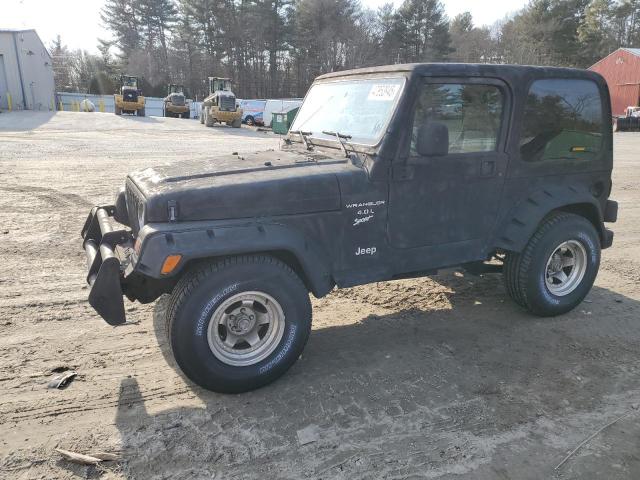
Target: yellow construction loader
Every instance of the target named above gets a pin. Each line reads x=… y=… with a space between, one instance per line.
x=130 y=99
x=220 y=106
x=175 y=103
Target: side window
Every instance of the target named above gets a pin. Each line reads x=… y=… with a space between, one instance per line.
x=472 y=113
x=562 y=121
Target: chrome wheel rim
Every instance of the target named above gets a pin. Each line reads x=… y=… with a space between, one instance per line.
x=246 y=328
x=566 y=268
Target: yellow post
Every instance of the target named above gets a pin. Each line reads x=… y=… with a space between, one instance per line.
x=9 y=101
x=101 y=105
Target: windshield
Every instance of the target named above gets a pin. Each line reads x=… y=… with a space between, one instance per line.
x=220 y=84
x=358 y=108
x=130 y=82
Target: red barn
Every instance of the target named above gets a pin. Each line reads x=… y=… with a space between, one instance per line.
x=621 y=70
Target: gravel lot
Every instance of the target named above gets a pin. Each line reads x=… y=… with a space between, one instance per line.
x=439 y=378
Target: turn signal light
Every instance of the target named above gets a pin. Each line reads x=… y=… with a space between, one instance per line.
x=170 y=264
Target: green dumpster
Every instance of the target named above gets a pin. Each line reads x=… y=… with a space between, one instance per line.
x=281 y=121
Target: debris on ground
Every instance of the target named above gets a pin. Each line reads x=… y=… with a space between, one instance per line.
x=78 y=457
x=590 y=437
x=308 y=434
x=62 y=381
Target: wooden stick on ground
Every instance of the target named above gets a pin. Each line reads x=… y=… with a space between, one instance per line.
x=586 y=440
x=78 y=457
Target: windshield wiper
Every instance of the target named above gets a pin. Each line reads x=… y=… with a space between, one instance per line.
x=340 y=137
x=303 y=135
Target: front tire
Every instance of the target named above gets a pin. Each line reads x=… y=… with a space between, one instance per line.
x=238 y=324
x=557 y=268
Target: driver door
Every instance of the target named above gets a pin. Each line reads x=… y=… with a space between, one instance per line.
x=451 y=198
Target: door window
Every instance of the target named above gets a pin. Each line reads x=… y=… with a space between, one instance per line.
x=471 y=112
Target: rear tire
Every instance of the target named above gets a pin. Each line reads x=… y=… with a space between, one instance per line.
x=118 y=111
x=212 y=310
x=237 y=123
x=249 y=120
x=186 y=115
x=557 y=268
x=141 y=112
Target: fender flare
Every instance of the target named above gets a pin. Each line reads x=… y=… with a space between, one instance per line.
x=515 y=229
x=201 y=240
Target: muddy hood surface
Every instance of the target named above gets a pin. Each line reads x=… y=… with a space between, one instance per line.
x=240 y=186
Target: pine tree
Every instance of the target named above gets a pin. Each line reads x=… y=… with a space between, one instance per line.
x=123 y=19
x=62 y=62
x=423 y=31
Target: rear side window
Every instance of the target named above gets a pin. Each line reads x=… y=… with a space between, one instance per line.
x=562 y=121
x=471 y=112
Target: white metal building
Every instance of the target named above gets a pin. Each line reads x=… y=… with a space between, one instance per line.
x=26 y=72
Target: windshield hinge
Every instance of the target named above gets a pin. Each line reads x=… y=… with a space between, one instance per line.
x=172 y=210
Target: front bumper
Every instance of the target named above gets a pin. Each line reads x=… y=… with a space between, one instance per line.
x=224 y=116
x=177 y=108
x=108 y=252
x=131 y=105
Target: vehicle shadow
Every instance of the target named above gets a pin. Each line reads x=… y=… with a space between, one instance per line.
x=474 y=387
x=135 y=118
x=239 y=132
x=20 y=121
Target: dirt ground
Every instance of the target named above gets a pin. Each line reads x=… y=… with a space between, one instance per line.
x=439 y=378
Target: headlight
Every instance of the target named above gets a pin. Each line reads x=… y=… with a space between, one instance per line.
x=140 y=216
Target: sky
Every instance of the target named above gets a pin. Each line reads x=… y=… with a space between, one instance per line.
x=78 y=21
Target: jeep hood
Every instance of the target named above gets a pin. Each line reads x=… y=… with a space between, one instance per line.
x=239 y=186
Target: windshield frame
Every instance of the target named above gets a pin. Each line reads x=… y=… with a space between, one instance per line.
x=319 y=139
x=127 y=79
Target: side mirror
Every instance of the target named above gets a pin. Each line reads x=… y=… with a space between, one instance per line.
x=433 y=140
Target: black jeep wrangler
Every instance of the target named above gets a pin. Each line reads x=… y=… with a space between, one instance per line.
x=387 y=173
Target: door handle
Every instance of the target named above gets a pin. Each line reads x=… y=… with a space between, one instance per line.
x=487 y=168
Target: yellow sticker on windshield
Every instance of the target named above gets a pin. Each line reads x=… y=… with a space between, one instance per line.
x=383 y=92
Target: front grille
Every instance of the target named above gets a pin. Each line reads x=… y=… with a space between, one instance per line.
x=134 y=202
x=228 y=103
x=130 y=96
x=177 y=100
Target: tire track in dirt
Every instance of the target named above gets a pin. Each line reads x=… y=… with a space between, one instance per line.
x=16 y=414
x=50 y=196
